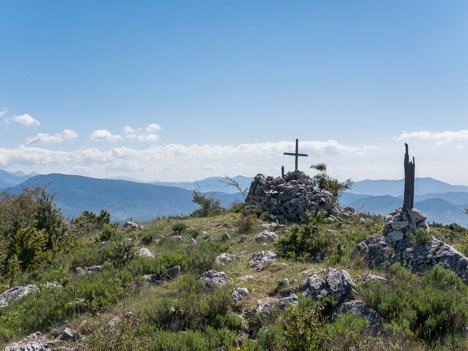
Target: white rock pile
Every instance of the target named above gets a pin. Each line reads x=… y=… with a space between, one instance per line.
x=401 y=223
x=289 y=197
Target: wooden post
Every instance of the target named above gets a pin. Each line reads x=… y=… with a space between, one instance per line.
x=296 y=154
x=282 y=171
x=408 y=198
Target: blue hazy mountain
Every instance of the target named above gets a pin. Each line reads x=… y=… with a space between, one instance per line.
x=211 y=184
x=9 y=179
x=438 y=210
x=123 y=199
x=395 y=187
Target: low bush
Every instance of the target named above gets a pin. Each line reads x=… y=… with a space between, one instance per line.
x=179 y=228
x=312 y=241
x=426 y=306
x=422 y=237
x=147 y=238
x=194 y=233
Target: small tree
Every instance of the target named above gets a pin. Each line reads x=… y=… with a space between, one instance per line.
x=232 y=182
x=207 y=202
x=325 y=182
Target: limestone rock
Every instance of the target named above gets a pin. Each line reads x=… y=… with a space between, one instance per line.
x=225 y=237
x=246 y=277
x=68 y=335
x=373 y=278
x=214 y=279
x=265 y=236
x=33 y=342
x=94 y=269
x=239 y=293
x=263 y=309
x=381 y=253
x=153 y=279
x=145 y=252
x=286 y=301
x=260 y=259
x=225 y=258
x=15 y=293
x=173 y=272
x=114 y=322
x=132 y=225
x=360 y=309
x=334 y=282
x=178 y=238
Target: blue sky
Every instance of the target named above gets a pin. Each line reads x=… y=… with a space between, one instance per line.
x=181 y=90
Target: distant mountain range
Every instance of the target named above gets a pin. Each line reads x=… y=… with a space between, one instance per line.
x=212 y=184
x=9 y=179
x=123 y=199
x=442 y=202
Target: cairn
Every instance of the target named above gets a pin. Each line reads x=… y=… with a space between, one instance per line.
x=288 y=198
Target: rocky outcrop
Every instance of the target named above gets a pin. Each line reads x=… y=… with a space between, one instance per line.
x=286 y=301
x=359 y=308
x=260 y=259
x=239 y=293
x=334 y=282
x=289 y=197
x=15 y=293
x=401 y=223
x=214 y=279
x=133 y=225
x=145 y=252
x=153 y=279
x=33 y=342
x=173 y=272
x=225 y=258
x=382 y=252
x=265 y=236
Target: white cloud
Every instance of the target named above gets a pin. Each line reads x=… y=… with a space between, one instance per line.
x=148 y=134
x=26 y=120
x=439 y=137
x=66 y=135
x=176 y=162
x=153 y=128
x=105 y=135
x=3 y=112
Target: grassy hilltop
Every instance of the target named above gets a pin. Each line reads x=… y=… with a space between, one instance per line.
x=113 y=308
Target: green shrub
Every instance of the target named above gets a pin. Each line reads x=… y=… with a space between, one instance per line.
x=422 y=237
x=158 y=265
x=313 y=241
x=194 y=233
x=179 y=228
x=246 y=222
x=204 y=254
x=122 y=252
x=347 y=332
x=32 y=229
x=323 y=181
x=108 y=232
x=303 y=328
x=209 y=206
x=427 y=306
x=53 y=303
x=147 y=239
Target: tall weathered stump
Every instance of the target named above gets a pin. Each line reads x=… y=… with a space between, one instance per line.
x=404 y=221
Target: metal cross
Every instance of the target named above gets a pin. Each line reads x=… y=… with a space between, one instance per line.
x=297 y=154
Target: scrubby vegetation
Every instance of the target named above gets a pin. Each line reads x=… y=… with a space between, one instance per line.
x=89 y=276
